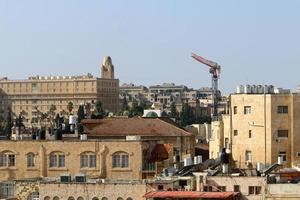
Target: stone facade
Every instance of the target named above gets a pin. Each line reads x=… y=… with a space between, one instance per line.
x=37 y=94
x=72 y=151
x=259 y=129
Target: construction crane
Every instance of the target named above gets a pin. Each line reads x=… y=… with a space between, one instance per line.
x=215 y=70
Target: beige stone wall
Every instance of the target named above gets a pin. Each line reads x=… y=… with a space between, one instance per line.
x=243 y=182
x=282 y=191
x=263 y=122
x=27 y=95
x=91 y=190
x=72 y=151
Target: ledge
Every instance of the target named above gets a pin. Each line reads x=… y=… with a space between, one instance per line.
x=58 y=169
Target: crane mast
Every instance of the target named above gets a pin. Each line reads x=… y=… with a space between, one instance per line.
x=214 y=70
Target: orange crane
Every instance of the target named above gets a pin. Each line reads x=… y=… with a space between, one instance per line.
x=215 y=70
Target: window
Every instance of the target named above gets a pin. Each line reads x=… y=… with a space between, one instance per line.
x=95 y=198
x=47 y=198
x=248 y=156
x=235 y=132
x=56 y=198
x=250 y=133
x=236 y=188
x=235 y=110
x=298 y=154
x=282 y=133
x=120 y=160
x=7 y=190
x=254 y=190
x=88 y=160
x=80 y=198
x=7 y=159
x=282 y=109
x=57 y=159
x=283 y=155
x=207 y=188
x=30 y=160
x=247 y=110
x=71 y=198
x=34 y=196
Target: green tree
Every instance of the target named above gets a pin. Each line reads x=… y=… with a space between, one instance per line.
x=187 y=116
x=81 y=116
x=136 y=109
x=173 y=110
x=124 y=104
x=8 y=124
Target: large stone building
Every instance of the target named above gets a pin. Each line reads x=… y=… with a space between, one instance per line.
x=260 y=128
x=37 y=94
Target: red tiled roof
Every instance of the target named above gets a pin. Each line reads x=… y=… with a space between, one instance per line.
x=132 y=126
x=190 y=195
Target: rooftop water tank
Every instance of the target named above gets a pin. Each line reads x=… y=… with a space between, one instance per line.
x=247 y=89
x=240 y=89
x=254 y=89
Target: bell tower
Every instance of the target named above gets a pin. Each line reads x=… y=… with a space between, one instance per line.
x=107 y=69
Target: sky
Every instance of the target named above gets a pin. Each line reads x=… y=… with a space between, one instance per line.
x=150 y=42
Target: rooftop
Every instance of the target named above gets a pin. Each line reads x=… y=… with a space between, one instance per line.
x=136 y=126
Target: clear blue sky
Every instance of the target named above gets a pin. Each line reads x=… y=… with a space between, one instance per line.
x=255 y=42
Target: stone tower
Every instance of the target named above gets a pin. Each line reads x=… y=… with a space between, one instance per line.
x=107 y=69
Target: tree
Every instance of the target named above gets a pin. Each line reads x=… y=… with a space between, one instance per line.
x=99 y=110
x=8 y=124
x=187 y=116
x=70 y=106
x=136 y=109
x=173 y=110
x=124 y=104
x=81 y=116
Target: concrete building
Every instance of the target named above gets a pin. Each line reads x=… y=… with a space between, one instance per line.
x=259 y=127
x=38 y=93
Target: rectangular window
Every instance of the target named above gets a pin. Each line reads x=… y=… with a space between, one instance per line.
x=236 y=188
x=11 y=160
x=250 y=133
x=3 y=160
x=61 y=160
x=298 y=154
x=92 y=161
x=30 y=160
x=235 y=132
x=247 y=110
x=282 y=133
x=7 y=190
x=235 y=110
x=84 y=160
x=282 y=109
x=248 y=156
x=207 y=188
x=258 y=190
x=117 y=161
x=283 y=155
x=125 y=161
x=53 y=160
x=251 y=190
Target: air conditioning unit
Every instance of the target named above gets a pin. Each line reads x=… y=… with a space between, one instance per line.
x=66 y=178
x=80 y=178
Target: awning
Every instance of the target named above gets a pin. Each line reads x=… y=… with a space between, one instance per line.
x=190 y=195
x=160 y=152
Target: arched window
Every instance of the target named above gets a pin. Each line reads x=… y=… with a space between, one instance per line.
x=7 y=159
x=129 y=198
x=104 y=198
x=80 y=198
x=120 y=160
x=95 y=198
x=88 y=160
x=47 y=198
x=71 y=198
x=56 y=198
x=119 y=198
x=57 y=159
x=30 y=160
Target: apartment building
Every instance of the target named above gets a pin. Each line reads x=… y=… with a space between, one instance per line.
x=261 y=126
x=38 y=93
